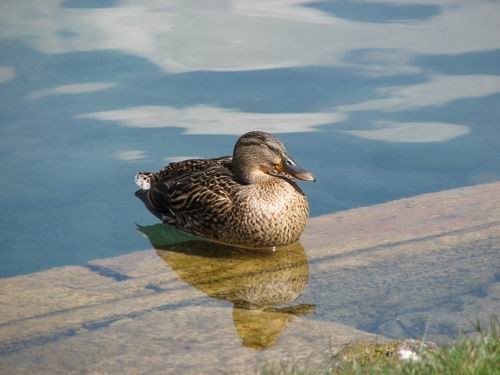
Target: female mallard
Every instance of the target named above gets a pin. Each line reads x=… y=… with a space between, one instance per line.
x=248 y=199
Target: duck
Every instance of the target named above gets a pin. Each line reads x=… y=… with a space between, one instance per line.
x=249 y=200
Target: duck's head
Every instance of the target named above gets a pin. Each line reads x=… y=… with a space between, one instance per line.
x=258 y=156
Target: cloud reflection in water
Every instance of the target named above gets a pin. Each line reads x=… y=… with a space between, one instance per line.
x=7 y=73
x=243 y=35
x=130 y=155
x=76 y=88
x=439 y=90
x=204 y=119
x=413 y=132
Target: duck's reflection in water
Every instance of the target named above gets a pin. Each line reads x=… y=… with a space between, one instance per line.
x=254 y=282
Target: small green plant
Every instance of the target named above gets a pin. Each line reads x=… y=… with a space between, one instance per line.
x=468 y=355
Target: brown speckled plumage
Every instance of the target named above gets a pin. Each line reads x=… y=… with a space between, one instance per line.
x=248 y=199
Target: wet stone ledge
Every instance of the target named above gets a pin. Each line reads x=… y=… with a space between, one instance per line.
x=423 y=265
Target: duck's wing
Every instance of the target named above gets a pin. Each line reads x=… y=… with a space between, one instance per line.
x=180 y=168
x=177 y=169
x=197 y=201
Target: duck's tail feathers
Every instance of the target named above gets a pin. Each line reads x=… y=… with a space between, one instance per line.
x=143 y=180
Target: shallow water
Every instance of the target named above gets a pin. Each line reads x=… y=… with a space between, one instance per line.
x=255 y=283
x=380 y=100
x=425 y=266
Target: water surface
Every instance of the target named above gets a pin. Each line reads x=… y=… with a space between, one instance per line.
x=381 y=100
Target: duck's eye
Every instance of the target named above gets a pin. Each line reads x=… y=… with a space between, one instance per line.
x=289 y=162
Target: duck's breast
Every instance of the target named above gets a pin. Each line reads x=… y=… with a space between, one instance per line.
x=275 y=212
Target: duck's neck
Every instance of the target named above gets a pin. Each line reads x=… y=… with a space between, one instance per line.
x=248 y=174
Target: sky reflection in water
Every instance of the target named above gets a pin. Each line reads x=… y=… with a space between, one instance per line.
x=380 y=99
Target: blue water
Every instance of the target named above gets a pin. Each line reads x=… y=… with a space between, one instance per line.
x=380 y=100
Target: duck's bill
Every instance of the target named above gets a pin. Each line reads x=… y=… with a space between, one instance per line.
x=297 y=171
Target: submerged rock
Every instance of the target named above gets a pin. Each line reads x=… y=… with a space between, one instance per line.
x=365 y=352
